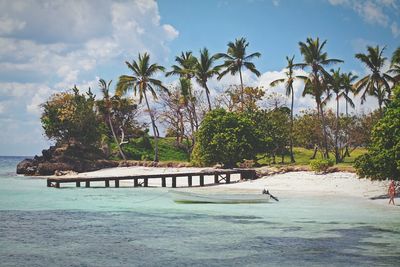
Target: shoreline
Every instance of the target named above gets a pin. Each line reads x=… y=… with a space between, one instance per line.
x=301 y=183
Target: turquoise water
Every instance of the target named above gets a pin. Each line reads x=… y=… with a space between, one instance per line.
x=42 y=226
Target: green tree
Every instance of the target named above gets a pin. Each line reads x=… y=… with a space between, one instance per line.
x=315 y=85
x=141 y=82
x=225 y=138
x=235 y=59
x=70 y=117
x=336 y=85
x=377 y=82
x=273 y=131
x=106 y=108
x=348 y=81
x=205 y=70
x=395 y=66
x=186 y=69
x=383 y=158
x=290 y=78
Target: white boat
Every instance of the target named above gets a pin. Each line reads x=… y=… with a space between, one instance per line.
x=188 y=197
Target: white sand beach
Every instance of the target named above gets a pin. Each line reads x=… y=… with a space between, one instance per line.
x=282 y=185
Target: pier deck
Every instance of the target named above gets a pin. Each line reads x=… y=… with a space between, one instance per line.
x=142 y=180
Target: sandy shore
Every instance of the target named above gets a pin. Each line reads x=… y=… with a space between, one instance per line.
x=287 y=184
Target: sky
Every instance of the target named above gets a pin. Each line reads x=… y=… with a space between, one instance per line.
x=48 y=46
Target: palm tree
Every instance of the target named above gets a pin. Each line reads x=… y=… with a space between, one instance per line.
x=204 y=70
x=290 y=78
x=376 y=83
x=186 y=69
x=141 y=82
x=107 y=104
x=336 y=85
x=395 y=66
x=235 y=59
x=316 y=81
x=348 y=81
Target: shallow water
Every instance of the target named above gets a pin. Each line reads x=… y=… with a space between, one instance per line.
x=42 y=226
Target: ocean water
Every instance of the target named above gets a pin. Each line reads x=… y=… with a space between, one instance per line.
x=42 y=226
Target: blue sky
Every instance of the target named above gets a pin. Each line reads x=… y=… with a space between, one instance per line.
x=48 y=46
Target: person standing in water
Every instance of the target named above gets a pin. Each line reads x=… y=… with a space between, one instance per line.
x=392 y=192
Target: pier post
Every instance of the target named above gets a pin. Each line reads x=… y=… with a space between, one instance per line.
x=57 y=185
x=145 y=182
x=78 y=184
x=228 y=178
x=87 y=184
x=189 y=180
x=173 y=181
x=48 y=183
x=216 y=181
x=163 y=182
x=107 y=183
x=135 y=182
x=201 y=179
x=116 y=183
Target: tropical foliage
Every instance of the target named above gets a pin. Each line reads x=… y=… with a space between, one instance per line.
x=143 y=83
x=70 y=117
x=383 y=158
x=240 y=122
x=225 y=138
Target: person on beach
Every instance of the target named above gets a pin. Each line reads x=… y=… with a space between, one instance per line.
x=392 y=192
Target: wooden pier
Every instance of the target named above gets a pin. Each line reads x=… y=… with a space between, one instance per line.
x=143 y=180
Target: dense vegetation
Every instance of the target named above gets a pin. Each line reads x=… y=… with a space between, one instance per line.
x=243 y=122
x=383 y=158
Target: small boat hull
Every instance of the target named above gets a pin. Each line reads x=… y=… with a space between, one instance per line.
x=187 y=197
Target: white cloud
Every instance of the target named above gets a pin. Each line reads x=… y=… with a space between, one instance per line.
x=379 y=12
x=9 y=25
x=170 y=31
x=47 y=46
x=395 y=29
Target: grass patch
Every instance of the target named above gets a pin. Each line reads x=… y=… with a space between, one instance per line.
x=303 y=158
x=143 y=149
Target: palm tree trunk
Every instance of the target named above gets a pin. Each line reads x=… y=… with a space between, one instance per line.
x=337 y=156
x=196 y=123
x=181 y=126
x=115 y=137
x=208 y=96
x=242 y=89
x=380 y=107
x=325 y=133
x=347 y=153
x=291 y=129
x=153 y=123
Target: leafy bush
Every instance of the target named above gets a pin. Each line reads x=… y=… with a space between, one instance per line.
x=383 y=158
x=321 y=165
x=70 y=117
x=225 y=138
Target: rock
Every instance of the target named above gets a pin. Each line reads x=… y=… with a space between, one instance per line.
x=62 y=173
x=24 y=165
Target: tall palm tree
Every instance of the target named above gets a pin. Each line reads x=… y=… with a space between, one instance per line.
x=204 y=70
x=315 y=59
x=336 y=85
x=142 y=83
x=377 y=82
x=235 y=59
x=395 y=66
x=348 y=81
x=186 y=68
x=107 y=104
x=290 y=78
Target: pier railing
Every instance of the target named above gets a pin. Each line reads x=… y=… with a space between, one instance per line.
x=143 y=180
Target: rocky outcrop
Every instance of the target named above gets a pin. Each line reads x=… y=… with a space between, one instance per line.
x=72 y=157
